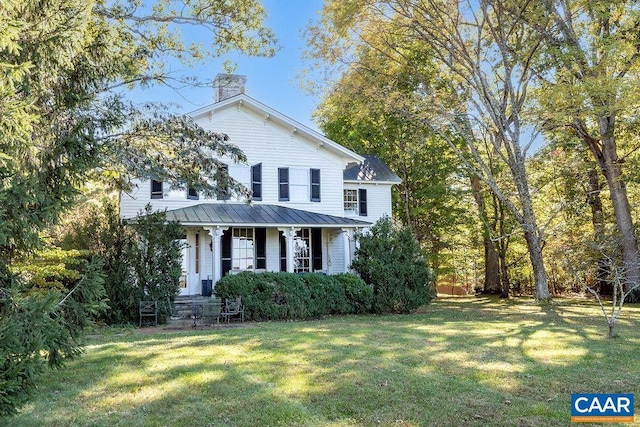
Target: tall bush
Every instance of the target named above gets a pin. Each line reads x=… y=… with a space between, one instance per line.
x=155 y=259
x=390 y=259
x=141 y=260
x=99 y=229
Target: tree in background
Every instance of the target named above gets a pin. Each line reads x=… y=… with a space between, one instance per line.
x=141 y=258
x=589 y=85
x=155 y=259
x=359 y=114
x=390 y=259
x=476 y=90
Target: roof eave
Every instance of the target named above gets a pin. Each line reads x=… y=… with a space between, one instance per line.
x=361 y=181
x=262 y=225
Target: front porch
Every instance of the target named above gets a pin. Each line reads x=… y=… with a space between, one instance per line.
x=229 y=238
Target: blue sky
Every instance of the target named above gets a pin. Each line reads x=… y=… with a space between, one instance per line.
x=272 y=81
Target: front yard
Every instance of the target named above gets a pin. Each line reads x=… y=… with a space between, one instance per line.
x=462 y=361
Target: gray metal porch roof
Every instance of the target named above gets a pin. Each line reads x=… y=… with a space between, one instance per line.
x=234 y=214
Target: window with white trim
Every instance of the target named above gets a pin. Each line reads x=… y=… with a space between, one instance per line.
x=314 y=175
x=355 y=202
x=243 y=249
x=156 y=189
x=302 y=251
x=298 y=185
x=350 y=202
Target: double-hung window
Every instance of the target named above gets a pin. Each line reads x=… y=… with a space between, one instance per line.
x=355 y=202
x=243 y=249
x=307 y=251
x=302 y=251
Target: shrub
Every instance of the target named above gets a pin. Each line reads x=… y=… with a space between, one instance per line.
x=327 y=295
x=155 y=260
x=391 y=260
x=43 y=311
x=289 y=296
x=358 y=295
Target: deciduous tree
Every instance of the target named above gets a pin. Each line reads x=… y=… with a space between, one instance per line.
x=488 y=57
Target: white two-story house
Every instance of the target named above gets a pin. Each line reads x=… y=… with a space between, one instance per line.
x=310 y=195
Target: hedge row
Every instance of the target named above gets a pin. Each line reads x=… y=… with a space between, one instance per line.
x=284 y=296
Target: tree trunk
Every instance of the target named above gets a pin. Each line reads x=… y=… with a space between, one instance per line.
x=504 y=275
x=537 y=264
x=611 y=168
x=491 y=267
x=491 y=283
x=594 y=200
x=527 y=220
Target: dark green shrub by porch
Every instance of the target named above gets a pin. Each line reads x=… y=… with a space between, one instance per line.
x=391 y=260
x=290 y=296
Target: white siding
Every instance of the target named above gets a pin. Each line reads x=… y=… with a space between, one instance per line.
x=275 y=147
x=262 y=141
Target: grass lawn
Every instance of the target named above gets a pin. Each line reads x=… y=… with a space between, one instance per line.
x=462 y=361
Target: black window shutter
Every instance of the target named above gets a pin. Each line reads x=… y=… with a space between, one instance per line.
x=261 y=247
x=225 y=243
x=316 y=248
x=256 y=181
x=362 y=201
x=283 y=253
x=315 y=185
x=283 y=184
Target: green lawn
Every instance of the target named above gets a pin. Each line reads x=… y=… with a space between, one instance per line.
x=462 y=361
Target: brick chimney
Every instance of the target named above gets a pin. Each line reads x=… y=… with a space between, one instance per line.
x=228 y=85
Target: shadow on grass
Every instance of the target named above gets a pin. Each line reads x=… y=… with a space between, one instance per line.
x=464 y=361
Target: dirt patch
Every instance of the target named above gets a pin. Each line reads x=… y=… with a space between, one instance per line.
x=175 y=328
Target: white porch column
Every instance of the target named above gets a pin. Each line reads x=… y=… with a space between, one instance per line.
x=347 y=235
x=289 y=234
x=216 y=255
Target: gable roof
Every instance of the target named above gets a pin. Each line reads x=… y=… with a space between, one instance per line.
x=373 y=169
x=257 y=215
x=269 y=113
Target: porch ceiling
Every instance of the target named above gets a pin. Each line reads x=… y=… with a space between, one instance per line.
x=234 y=214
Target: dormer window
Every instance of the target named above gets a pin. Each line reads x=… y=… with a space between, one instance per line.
x=156 y=189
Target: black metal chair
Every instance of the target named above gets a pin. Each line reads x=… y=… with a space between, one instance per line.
x=148 y=310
